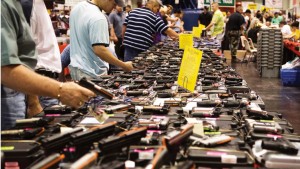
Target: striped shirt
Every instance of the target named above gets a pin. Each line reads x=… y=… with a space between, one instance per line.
x=142 y=24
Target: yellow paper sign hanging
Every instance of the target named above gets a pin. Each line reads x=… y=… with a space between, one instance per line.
x=185 y=40
x=262 y=7
x=189 y=68
x=252 y=6
x=197 y=32
x=201 y=27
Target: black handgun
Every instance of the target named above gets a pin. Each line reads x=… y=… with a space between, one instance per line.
x=137 y=93
x=259 y=114
x=57 y=109
x=123 y=139
x=280 y=144
x=238 y=79
x=95 y=88
x=207 y=103
x=155 y=122
x=112 y=109
x=156 y=109
x=21 y=134
x=235 y=103
x=233 y=83
x=58 y=141
x=33 y=122
x=93 y=134
x=165 y=94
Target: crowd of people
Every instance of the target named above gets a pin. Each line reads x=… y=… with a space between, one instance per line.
x=229 y=28
x=105 y=35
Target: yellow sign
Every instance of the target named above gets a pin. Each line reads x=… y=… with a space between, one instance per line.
x=189 y=68
x=252 y=6
x=197 y=32
x=185 y=40
x=265 y=8
x=201 y=27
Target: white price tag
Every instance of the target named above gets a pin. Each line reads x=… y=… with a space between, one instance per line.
x=230 y=159
x=198 y=129
x=146 y=155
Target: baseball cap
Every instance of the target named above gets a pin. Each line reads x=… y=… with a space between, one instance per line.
x=159 y=2
x=120 y=3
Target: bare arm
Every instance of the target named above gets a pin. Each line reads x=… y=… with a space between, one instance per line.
x=172 y=19
x=170 y=32
x=123 y=30
x=113 y=36
x=210 y=25
x=20 y=78
x=104 y=54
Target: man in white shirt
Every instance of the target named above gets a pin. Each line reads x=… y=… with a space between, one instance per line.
x=285 y=29
x=48 y=54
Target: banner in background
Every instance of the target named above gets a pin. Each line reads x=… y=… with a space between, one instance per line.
x=252 y=6
x=221 y=2
x=273 y=3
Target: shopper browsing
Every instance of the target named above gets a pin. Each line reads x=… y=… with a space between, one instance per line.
x=285 y=29
x=89 y=39
x=140 y=26
x=276 y=20
x=48 y=56
x=17 y=61
x=234 y=29
x=295 y=31
x=217 y=21
x=205 y=17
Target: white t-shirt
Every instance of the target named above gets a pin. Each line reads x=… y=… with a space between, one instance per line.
x=286 y=30
x=44 y=38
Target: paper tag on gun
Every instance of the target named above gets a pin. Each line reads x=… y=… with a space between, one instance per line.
x=100 y=115
x=198 y=126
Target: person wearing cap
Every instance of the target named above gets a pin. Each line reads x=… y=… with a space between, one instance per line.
x=140 y=26
x=205 y=17
x=18 y=60
x=89 y=39
x=276 y=19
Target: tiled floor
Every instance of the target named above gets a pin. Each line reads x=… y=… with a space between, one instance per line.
x=285 y=100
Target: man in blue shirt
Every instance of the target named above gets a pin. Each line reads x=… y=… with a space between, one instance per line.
x=89 y=39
